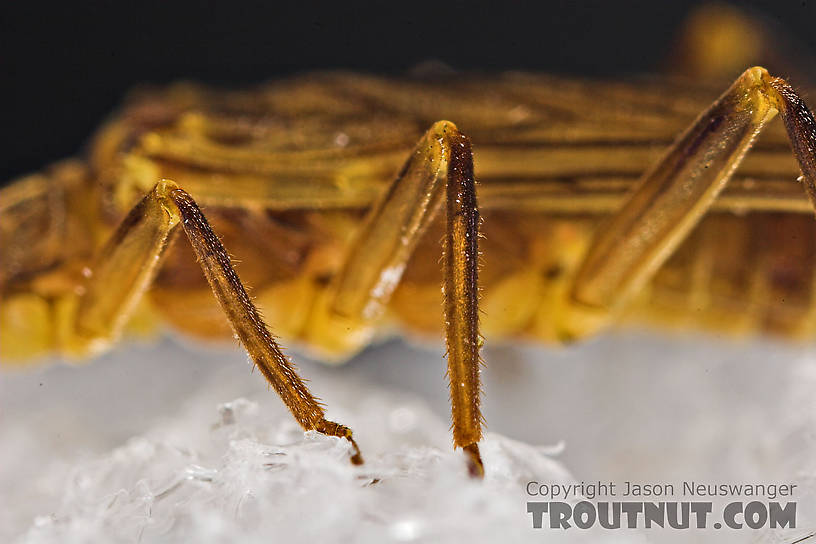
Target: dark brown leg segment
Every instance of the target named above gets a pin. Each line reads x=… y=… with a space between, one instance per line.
x=249 y=326
x=461 y=288
x=801 y=129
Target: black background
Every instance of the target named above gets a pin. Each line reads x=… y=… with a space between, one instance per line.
x=67 y=66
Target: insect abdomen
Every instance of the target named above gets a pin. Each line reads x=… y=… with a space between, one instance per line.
x=736 y=274
x=743 y=274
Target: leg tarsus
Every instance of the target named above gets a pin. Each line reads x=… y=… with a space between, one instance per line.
x=330 y=428
x=474 y=461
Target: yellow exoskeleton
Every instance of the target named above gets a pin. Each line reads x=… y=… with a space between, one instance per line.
x=334 y=190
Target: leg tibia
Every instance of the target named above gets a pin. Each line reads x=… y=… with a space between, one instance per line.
x=242 y=314
x=801 y=129
x=460 y=287
x=248 y=324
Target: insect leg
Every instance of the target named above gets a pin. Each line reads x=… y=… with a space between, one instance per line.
x=672 y=197
x=128 y=263
x=440 y=169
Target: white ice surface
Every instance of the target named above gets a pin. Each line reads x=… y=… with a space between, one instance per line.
x=172 y=443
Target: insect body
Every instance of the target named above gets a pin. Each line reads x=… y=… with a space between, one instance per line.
x=297 y=180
